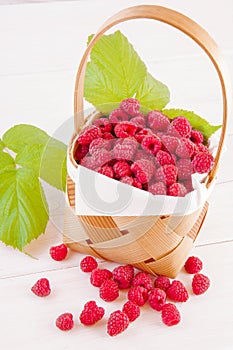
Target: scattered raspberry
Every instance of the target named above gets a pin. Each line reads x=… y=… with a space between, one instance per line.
x=143 y=170
x=65 y=321
x=203 y=163
x=91 y=313
x=158 y=188
x=163 y=158
x=123 y=275
x=98 y=276
x=138 y=295
x=125 y=149
x=88 y=264
x=177 y=190
x=58 y=252
x=88 y=134
x=158 y=121
x=125 y=129
x=185 y=148
x=185 y=168
x=41 y=288
x=200 y=284
x=151 y=143
x=131 y=106
x=121 y=169
x=107 y=171
x=167 y=174
x=196 y=136
x=140 y=121
x=180 y=127
x=104 y=124
x=170 y=143
x=99 y=143
x=157 y=299
x=177 y=292
x=109 y=290
x=118 y=321
x=193 y=265
x=142 y=279
x=162 y=282
x=132 y=310
x=140 y=134
x=118 y=116
x=170 y=315
x=81 y=152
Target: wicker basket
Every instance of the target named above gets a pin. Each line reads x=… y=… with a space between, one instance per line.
x=156 y=244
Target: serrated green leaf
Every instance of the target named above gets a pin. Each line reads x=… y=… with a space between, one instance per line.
x=6 y=161
x=195 y=120
x=23 y=207
x=152 y=94
x=2 y=146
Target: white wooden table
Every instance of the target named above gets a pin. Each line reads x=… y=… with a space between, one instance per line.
x=40 y=47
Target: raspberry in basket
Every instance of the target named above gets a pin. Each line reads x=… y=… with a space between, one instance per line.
x=185 y=168
x=167 y=174
x=203 y=163
x=121 y=169
x=193 y=265
x=91 y=313
x=88 y=264
x=140 y=134
x=131 y=106
x=88 y=134
x=132 y=181
x=199 y=147
x=101 y=157
x=158 y=188
x=140 y=121
x=65 y=321
x=99 y=143
x=109 y=290
x=170 y=143
x=123 y=275
x=158 y=121
x=138 y=295
x=125 y=149
x=162 y=282
x=104 y=124
x=157 y=299
x=41 y=288
x=185 y=149
x=58 y=252
x=200 y=284
x=180 y=127
x=81 y=152
x=107 y=171
x=163 y=157
x=142 y=279
x=196 y=136
x=177 y=190
x=118 y=322
x=117 y=116
x=177 y=292
x=125 y=129
x=151 y=143
x=143 y=170
x=170 y=315
x=132 y=310
x=98 y=276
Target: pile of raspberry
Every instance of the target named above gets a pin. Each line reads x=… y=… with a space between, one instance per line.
x=150 y=152
x=160 y=293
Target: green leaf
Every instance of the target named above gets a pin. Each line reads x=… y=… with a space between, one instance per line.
x=195 y=120
x=23 y=207
x=2 y=146
x=6 y=161
x=152 y=94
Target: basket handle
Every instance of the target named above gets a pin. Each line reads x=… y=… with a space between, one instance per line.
x=184 y=24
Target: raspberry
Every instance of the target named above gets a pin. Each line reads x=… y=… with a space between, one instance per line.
x=91 y=313
x=193 y=265
x=200 y=284
x=58 y=252
x=180 y=127
x=99 y=143
x=170 y=315
x=65 y=321
x=177 y=292
x=188 y=184
x=203 y=163
x=118 y=321
x=140 y=134
x=89 y=163
x=131 y=106
x=88 y=264
x=196 y=136
x=107 y=171
x=132 y=310
x=125 y=149
x=162 y=282
x=123 y=275
x=125 y=129
x=151 y=143
x=41 y=288
x=128 y=180
x=142 y=279
x=170 y=143
x=177 y=190
x=101 y=157
x=139 y=121
x=163 y=157
x=109 y=290
x=137 y=183
x=185 y=168
x=158 y=188
x=117 y=116
x=108 y=136
x=121 y=169
x=104 y=124
x=98 y=276
x=158 y=121
x=143 y=170
x=199 y=147
x=142 y=154
x=138 y=295
x=81 y=152
x=88 y=134
x=157 y=299
x=167 y=174
x=185 y=148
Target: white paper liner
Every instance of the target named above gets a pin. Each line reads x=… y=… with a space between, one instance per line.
x=98 y=195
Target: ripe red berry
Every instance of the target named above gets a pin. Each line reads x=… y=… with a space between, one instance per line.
x=143 y=170
x=88 y=264
x=140 y=134
x=151 y=143
x=138 y=295
x=117 y=116
x=167 y=174
x=99 y=143
x=158 y=121
x=193 y=265
x=185 y=149
x=81 y=152
x=125 y=149
x=170 y=315
x=185 y=168
x=203 y=163
x=131 y=106
x=125 y=129
x=162 y=282
x=142 y=279
x=107 y=171
x=98 y=276
x=123 y=275
x=109 y=290
x=140 y=121
x=200 y=284
x=91 y=313
x=157 y=298
x=132 y=310
x=180 y=127
x=177 y=190
x=88 y=134
x=118 y=321
x=196 y=136
x=177 y=292
x=65 y=321
x=104 y=124
x=163 y=157
x=41 y=288
x=58 y=252
x=158 y=188
x=121 y=169
x=170 y=143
